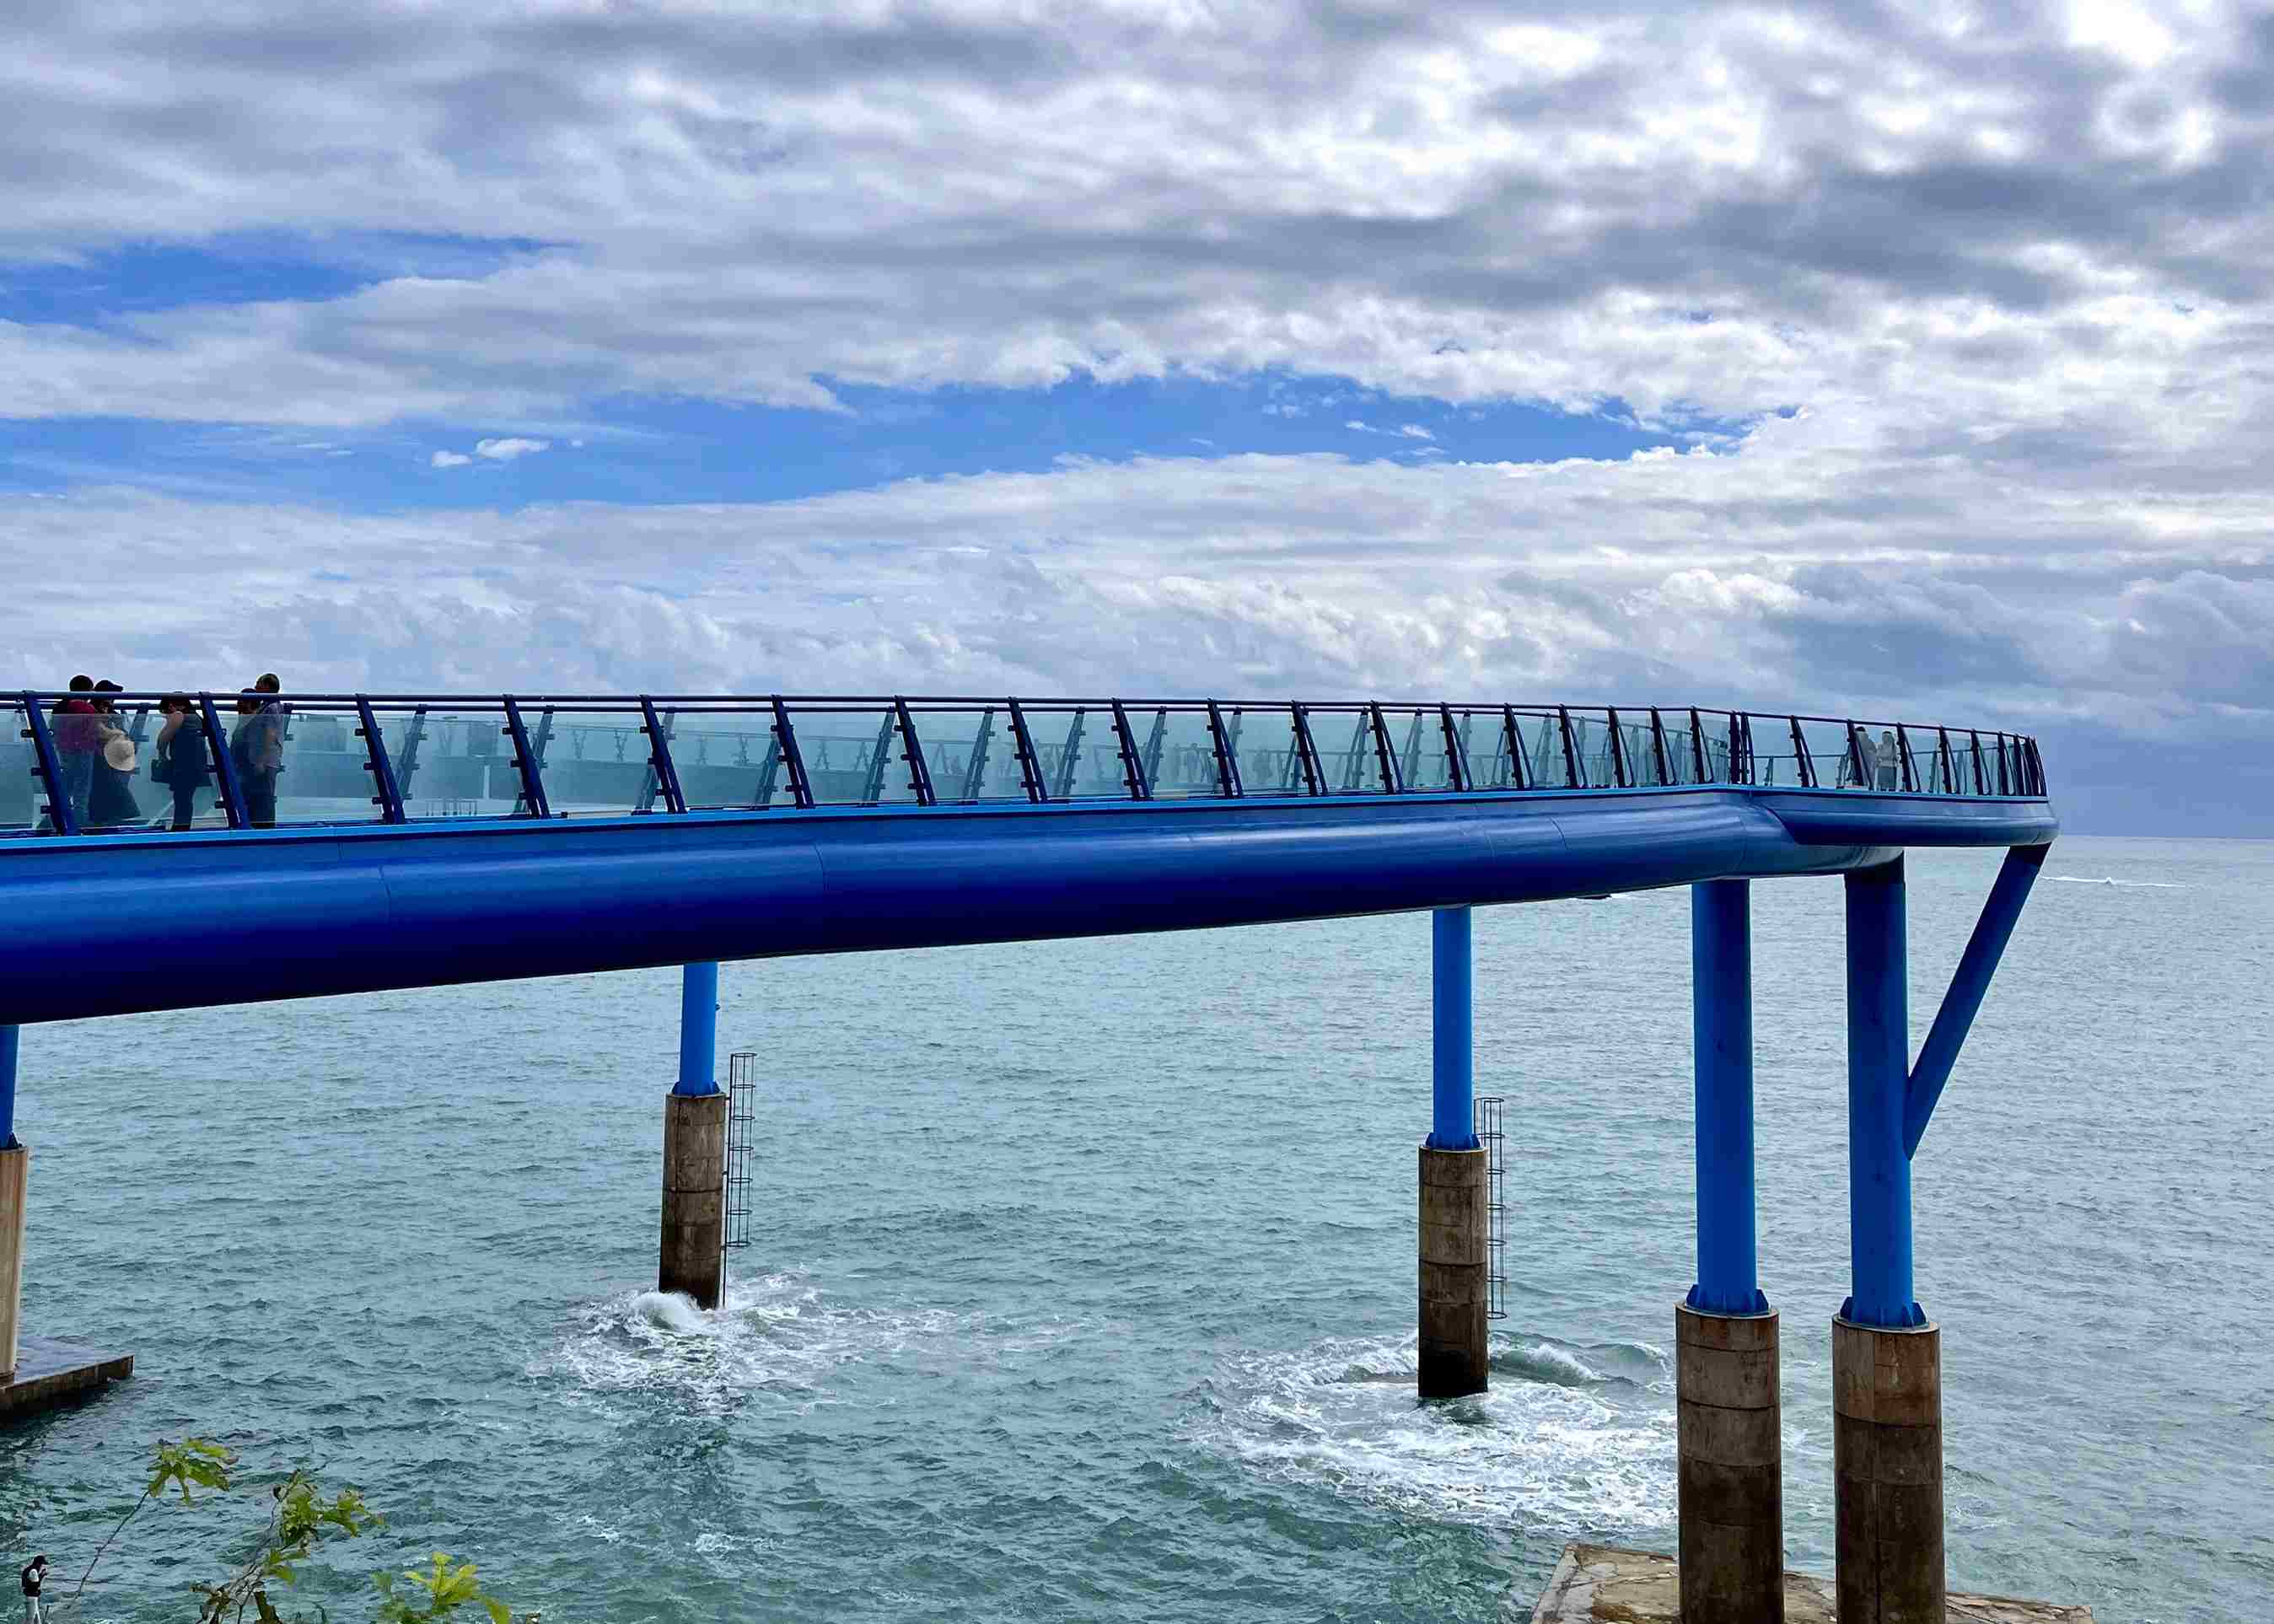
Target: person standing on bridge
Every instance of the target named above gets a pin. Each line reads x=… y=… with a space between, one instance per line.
x=110 y=803
x=79 y=737
x=35 y=1575
x=257 y=748
x=181 y=762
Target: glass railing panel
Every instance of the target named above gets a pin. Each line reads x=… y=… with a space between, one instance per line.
x=1348 y=760
x=972 y=752
x=1417 y=742
x=1942 y=780
x=1977 y=770
x=1265 y=748
x=1483 y=747
x=1263 y=739
x=853 y=752
x=1712 y=728
x=1078 y=751
x=1680 y=763
x=1641 y=745
x=451 y=761
x=727 y=756
x=1540 y=735
x=1178 y=750
x=1825 y=744
x=1591 y=742
x=22 y=791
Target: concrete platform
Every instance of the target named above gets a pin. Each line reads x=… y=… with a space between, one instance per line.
x=1601 y=1584
x=51 y=1373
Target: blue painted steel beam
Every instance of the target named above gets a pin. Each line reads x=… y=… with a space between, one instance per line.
x=1721 y=1026
x=698 y=1029
x=9 y=1046
x=1452 y=1095
x=225 y=916
x=1969 y=984
x=1878 y=1044
x=62 y=816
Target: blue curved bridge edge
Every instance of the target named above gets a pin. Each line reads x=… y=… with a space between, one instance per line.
x=117 y=924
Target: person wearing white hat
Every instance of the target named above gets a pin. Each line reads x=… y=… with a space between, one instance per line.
x=111 y=801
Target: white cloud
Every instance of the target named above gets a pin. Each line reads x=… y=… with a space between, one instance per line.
x=507 y=450
x=2007 y=266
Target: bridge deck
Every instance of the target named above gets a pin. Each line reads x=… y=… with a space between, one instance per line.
x=1166 y=817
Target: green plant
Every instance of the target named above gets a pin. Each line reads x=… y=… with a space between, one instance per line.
x=301 y=1518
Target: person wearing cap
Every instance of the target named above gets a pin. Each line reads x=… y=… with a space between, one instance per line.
x=111 y=801
x=78 y=739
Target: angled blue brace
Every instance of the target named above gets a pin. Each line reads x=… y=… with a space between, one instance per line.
x=1967 y=985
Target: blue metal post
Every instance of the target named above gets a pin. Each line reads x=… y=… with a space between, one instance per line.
x=1452 y=1118
x=1878 y=1042
x=8 y=1049
x=698 y=1030
x=1722 y=1026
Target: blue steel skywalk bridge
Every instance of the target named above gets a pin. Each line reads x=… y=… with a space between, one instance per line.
x=422 y=839
x=419 y=840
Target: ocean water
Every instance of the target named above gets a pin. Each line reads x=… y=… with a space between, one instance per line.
x=1084 y=1273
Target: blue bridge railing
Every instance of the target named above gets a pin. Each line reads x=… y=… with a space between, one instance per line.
x=78 y=763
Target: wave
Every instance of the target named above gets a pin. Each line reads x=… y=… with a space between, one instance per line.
x=777 y=1336
x=2087 y=879
x=1569 y=1440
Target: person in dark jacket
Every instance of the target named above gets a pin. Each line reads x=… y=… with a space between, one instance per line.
x=182 y=762
x=35 y=1575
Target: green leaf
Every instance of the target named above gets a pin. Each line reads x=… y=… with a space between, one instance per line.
x=499 y=1613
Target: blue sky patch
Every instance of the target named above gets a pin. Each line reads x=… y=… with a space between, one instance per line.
x=98 y=286
x=643 y=451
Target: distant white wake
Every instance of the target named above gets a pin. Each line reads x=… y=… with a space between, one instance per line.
x=2086 y=879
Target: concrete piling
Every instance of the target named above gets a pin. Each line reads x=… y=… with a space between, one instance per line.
x=1731 y=1455
x=15 y=1174
x=1456 y=1285
x=1886 y=1469
x=693 y=1256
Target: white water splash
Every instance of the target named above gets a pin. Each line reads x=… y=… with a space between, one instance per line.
x=1556 y=1446
x=777 y=1336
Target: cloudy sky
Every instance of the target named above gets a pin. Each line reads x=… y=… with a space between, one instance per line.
x=1901 y=360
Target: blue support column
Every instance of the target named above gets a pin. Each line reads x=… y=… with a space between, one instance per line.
x=1878 y=1044
x=8 y=1049
x=1722 y=1023
x=1452 y=1117
x=698 y=1030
